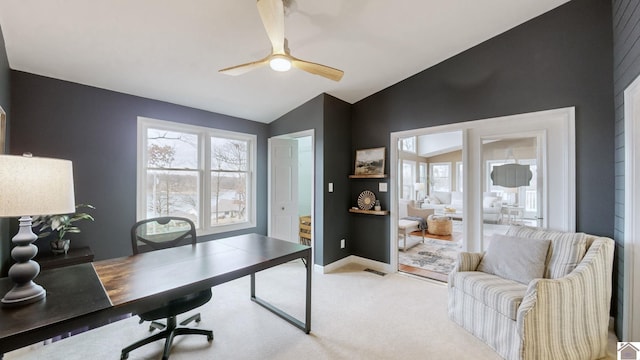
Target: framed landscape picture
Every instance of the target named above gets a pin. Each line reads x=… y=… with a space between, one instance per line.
x=370 y=161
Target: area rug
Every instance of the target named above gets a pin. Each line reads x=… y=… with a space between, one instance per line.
x=434 y=255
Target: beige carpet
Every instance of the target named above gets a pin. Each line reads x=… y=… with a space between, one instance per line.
x=356 y=315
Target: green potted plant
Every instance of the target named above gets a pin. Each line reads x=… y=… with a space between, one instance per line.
x=60 y=226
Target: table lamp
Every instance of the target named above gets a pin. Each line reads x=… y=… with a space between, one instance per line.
x=418 y=187
x=31 y=186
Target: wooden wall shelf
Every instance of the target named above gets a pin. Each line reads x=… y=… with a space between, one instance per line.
x=369 y=212
x=380 y=176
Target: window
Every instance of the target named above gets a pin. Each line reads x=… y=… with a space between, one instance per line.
x=408 y=179
x=204 y=174
x=408 y=144
x=440 y=176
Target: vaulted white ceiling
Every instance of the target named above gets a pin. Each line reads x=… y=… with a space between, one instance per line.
x=172 y=50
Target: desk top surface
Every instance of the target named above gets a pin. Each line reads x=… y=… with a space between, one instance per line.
x=133 y=283
x=184 y=269
x=72 y=291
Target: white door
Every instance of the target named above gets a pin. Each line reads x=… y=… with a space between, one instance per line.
x=283 y=189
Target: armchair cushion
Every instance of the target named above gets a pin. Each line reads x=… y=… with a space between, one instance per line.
x=515 y=258
x=566 y=250
x=501 y=295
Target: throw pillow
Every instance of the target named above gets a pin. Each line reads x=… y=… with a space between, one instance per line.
x=434 y=200
x=565 y=253
x=515 y=258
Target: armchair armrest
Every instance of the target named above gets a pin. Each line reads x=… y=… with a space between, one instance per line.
x=466 y=262
x=569 y=317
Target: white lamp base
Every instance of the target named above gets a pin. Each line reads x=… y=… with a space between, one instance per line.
x=22 y=273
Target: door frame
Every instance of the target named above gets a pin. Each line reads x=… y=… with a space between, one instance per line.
x=471 y=159
x=631 y=282
x=295 y=135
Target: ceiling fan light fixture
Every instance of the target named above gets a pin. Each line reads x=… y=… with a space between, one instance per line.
x=280 y=63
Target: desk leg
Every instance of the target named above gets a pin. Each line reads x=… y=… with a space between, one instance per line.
x=306 y=326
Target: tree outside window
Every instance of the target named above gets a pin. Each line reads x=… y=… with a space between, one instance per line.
x=172 y=174
x=204 y=174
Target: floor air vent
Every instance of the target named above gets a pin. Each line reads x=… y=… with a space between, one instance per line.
x=375 y=272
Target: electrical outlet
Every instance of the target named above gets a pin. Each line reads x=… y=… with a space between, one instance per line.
x=342 y=243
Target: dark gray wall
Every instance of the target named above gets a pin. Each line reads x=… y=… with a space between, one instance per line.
x=5 y=99
x=337 y=167
x=309 y=116
x=626 y=67
x=562 y=58
x=96 y=129
x=329 y=117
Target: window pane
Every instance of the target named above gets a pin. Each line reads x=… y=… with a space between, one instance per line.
x=172 y=192
x=441 y=177
x=229 y=154
x=408 y=144
x=228 y=197
x=170 y=149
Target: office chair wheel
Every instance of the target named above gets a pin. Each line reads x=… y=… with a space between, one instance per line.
x=124 y=356
x=210 y=337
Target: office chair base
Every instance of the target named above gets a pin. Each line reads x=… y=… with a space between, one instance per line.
x=169 y=333
x=156 y=325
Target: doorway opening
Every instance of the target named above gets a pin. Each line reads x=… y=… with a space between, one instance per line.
x=291 y=187
x=456 y=182
x=430 y=192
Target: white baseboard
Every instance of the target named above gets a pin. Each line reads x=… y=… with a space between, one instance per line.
x=352 y=259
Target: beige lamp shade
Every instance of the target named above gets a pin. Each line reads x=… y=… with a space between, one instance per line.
x=419 y=186
x=35 y=186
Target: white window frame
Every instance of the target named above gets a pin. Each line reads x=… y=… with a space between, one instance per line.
x=411 y=186
x=459 y=175
x=445 y=164
x=204 y=226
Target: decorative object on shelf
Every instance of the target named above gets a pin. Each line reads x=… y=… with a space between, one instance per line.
x=377 y=206
x=31 y=185
x=366 y=200
x=449 y=209
x=61 y=225
x=370 y=161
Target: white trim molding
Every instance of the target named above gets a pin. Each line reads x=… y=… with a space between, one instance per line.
x=631 y=286
x=555 y=132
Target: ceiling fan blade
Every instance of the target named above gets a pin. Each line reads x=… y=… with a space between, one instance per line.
x=244 y=68
x=272 y=15
x=317 y=69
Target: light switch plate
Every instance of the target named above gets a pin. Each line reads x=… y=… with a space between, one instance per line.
x=382 y=187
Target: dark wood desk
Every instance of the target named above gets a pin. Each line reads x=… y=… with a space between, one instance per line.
x=48 y=260
x=88 y=294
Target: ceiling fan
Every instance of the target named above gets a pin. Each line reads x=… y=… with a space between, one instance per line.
x=280 y=59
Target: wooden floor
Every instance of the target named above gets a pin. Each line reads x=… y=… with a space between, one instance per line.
x=422 y=272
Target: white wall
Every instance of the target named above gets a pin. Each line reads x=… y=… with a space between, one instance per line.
x=305 y=159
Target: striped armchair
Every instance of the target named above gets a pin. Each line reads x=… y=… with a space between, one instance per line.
x=563 y=315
